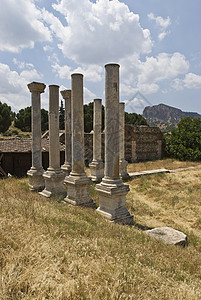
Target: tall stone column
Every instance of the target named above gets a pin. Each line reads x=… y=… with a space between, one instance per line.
x=35 y=174
x=112 y=191
x=96 y=166
x=66 y=168
x=122 y=163
x=54 y=177
x=77 y=182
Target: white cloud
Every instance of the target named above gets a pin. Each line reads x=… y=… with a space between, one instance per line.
x=88 y=96
x=93 y=73
x=164 y=66
x=13 y=86
x=190 y=81
x=162 y=23
x=146 y=76
x=98 y=32
x=21 y=25
x=22 y=65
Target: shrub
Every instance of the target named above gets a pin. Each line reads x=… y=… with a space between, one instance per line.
x=184 y=142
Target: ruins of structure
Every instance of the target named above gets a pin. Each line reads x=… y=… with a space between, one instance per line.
x=35 y=174
x=66 y=167
x=112 y=191
x=54 y=176
x=122 y=162
x=77 y=182
x=97 y=166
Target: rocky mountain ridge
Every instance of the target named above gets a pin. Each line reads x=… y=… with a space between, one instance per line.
x=165 y=117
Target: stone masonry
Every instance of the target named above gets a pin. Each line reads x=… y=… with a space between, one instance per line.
x=54 y=176
x=112 y=192
x=122 y=163
x=35 y=174
x=66 y=167
x=97 y=167
x=77 y=183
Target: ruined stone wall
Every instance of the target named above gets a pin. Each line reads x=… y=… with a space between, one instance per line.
x=141 y=143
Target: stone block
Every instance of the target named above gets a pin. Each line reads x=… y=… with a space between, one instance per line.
x=168 y=235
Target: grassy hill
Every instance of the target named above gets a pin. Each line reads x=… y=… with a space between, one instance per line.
x=49 y=250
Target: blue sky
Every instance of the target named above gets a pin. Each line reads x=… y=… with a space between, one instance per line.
x=157 y=44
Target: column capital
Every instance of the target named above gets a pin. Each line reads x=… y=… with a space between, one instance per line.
x=66 y=94
x=122 y=104
x=36 y=87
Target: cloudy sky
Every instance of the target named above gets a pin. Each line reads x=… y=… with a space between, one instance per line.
x=157 y=44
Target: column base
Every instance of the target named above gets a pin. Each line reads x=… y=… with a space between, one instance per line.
x=36 y=180
x=78 y=190
x=54 y=183
x=97 y=170
x=66 y=168
x=112 y=200
x=123 y=168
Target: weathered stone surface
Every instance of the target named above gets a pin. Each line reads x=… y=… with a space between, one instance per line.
x=97 y=167
x=168 y=235
x=112 y=192
x=142 y=143
x=35 y=174
x=122 y=162
x=66 y=167
x=77 y=183
x=54 y=177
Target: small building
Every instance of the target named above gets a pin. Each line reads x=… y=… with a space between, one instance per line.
x=16 y=156
x=141 y=143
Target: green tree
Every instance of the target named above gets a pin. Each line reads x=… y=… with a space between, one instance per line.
x=130 y=118
x=88 y=117
x=5 y=117
x=44 y=120
x=61 y=117
x=134 y=119
x=23 y=119
x=184 y=142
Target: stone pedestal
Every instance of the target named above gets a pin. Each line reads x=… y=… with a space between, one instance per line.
x=96 y=166
x=122 y=162
x=77 y=183
x=54 y=177
x=112 y=191
x=66 y=167
x=35 y=174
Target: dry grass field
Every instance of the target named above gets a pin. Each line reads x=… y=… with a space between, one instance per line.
x=49 y=250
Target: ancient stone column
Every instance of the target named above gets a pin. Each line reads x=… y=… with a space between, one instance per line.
x=77 y=182
x=122 y=162
x=54 y=176
x=35 y=174
x=112 y=191
x=96 y=166
x=66 y=168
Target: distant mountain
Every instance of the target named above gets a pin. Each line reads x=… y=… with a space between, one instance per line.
x=165 y=117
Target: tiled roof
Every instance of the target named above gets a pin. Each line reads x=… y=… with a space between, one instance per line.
x=23 y=145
